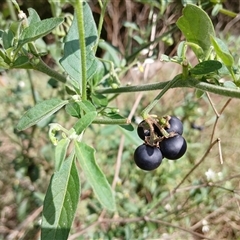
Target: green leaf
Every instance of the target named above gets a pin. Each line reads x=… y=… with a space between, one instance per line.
x=206 y=67
x=39 y=112
x=71 y=60
x=61 y=201
x=132 y=136
x=7 y=39
x=116 y=116
x=99 y=74
x=222 y=51
x=33 y=16
x=73 y=109
x=95 y=177
x=181 y=50
x=16 y=27
x=3 y=64
x=199 y=93
x=84 y=122
x=87 y=106
x=197 y=27
x=22 y=62
x=216 y=9
x=112 y=52
x=128 y=127
x=99 y=100
x=60 y=152
x=39 y=29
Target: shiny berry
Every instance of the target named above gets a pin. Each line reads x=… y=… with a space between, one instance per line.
x=147 y=157
x=174 y=147
x=175 y=125
x=143 y=130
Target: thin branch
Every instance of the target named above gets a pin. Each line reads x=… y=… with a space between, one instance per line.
x=218 y=114
x=225 y=105
x=134 y=107
x=212 y=104
x=220 y=151
x=118 y=163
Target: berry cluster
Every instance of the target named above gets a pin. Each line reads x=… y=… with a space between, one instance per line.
x=162 y=138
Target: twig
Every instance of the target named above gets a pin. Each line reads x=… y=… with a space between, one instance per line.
x=220 y=151
x=118 y=163
x=212 y=104
x=218 y=114
x=230 y=24
x=134 y=107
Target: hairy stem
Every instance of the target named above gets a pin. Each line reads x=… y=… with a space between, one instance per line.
x=111 y=121
x=189 y=82
x=81 y=32
x=128 y=89
x=40 y=66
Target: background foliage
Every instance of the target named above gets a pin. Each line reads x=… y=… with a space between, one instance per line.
x=194 y=198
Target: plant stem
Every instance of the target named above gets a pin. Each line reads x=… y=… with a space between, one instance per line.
x=32 y=87
x=11 y=10
x=100 y=24
x=228 y=92
x=40 y=66
x=128 y=89
x=111 y=121
x=189 y=82
x=185 y=69
x=170 y=84
x=81 y=32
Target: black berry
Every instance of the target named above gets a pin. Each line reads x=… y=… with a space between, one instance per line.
x=173 y=147
x=148 y=158
x=176 y=126
x=143 y=130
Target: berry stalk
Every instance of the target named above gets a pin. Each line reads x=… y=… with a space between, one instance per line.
x=170 y=84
